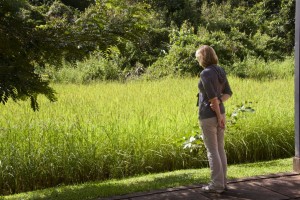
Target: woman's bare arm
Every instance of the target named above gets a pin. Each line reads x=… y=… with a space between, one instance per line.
x=215 y=104
x=223 y=98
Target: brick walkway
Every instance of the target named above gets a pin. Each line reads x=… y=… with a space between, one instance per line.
x=271 y=187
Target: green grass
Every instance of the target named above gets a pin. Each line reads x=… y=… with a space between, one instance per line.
x=267 y=133
x=257 y=68
x=93 y=190
x=113 y=130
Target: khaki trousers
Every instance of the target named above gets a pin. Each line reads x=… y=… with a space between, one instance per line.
x=213 y=137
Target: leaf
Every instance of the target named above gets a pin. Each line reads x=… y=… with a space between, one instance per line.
x=109 y=5
x=192 y=139
x=187 y=146
x=235 y=114
x=249 y=110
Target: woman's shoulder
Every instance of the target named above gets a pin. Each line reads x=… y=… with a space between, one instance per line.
x=207 y=71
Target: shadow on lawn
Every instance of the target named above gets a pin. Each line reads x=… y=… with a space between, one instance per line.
x=94 y=190
x=117 y=187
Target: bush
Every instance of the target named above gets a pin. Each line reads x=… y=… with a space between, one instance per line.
x=258 y=68
x=236 y=33
x=96 y=68
x=240 y=54
x=180 y=60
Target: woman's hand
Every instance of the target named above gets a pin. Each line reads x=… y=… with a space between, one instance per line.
x=214 y=104
x=221 y=121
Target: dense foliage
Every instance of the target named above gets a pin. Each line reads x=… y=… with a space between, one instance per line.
x=242 y=32
x=18 y=52
x=237 y=32
x=39 y=36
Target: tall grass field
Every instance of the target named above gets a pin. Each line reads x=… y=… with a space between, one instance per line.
x=115 y=130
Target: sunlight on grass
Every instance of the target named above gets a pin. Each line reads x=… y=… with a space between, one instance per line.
x=150 y=182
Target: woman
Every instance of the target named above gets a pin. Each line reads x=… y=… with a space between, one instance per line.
x=214 y=90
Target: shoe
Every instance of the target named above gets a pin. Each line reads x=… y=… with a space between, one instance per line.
x=208 y=189
x=226 y=188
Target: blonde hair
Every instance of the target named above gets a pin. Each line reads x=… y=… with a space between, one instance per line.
x=206 y=56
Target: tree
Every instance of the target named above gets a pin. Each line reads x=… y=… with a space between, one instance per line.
x=30 y=37
x=79 y=4
x=177 y=11
x=18 y=47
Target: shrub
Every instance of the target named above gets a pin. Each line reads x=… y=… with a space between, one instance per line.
x=258 y=68
x=95 y=68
